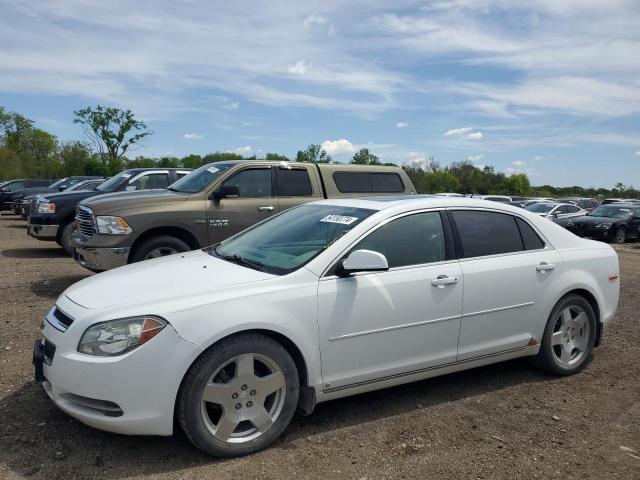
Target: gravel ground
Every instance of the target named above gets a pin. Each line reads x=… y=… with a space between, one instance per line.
x=503 y=421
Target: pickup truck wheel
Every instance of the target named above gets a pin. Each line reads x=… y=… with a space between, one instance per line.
x=159 y=246
x=65 y=237
x=239 y=396
x=569 y=336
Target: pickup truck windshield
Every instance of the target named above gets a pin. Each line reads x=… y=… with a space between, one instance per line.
x=288 y=241
x=200 y=178
x=113 y=183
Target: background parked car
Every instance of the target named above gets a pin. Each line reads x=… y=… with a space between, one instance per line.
x=53 y=218
x=619 y=200
x=555 y=210
x=61 y=185
x=587 y=203
x=614 y=222
x=7 y=190
x=494 y=198
x=29 y=203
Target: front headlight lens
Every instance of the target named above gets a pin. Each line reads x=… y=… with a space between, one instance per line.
x=116 y=337
x=112 y=225
x=603 y=225
x=46 y=207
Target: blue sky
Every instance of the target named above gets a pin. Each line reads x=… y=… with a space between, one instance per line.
x=546 y=87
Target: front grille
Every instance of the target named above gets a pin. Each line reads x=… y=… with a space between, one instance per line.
x=86 y=221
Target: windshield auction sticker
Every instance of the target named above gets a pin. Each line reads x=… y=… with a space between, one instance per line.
x=213 y=169
x=339 y=219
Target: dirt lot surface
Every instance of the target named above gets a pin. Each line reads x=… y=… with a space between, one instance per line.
x=503 y=421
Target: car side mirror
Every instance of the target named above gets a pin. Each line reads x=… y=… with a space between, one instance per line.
x=130 y=188
x=362 y=261
x=555 y=214
x=225 y=191
x=62 y=188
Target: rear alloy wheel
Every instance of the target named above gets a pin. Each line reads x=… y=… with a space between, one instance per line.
x=569 y=336
x=159 y=246
x=239 y=396
x=620 y=236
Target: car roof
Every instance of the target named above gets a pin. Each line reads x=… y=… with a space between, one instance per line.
x=411 y=202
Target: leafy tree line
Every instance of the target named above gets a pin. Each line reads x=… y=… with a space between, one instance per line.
x=112 y=135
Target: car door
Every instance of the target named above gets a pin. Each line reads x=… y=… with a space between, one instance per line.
x=380 y=324
x=255 y=202
x=509 y=274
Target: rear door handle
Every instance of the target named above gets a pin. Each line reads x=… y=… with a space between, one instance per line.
x=442 y=280
x=269 y=208
x=544 y=266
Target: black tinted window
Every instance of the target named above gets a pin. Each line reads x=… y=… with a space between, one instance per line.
x=530 y=238
x=294 y=182
x=252 y=183
x=410 y=240
x=368 y=182
x=487 y=233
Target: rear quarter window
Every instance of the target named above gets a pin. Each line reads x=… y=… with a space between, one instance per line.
x=530 y=238
x=294 y=182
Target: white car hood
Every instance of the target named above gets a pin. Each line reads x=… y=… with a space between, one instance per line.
x=159 y=279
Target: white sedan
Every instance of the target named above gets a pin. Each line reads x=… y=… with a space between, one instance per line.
x=325 y=300
x=555 y=210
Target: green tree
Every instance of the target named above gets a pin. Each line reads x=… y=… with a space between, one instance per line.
x=221 y=157
x=364 y=157
x=518 y=185
x=112 y=131
x=192 y=161
x=276 y=157
x=74 y=157
x=313 y=154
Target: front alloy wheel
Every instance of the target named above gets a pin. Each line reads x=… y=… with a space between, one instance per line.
x=239 y=396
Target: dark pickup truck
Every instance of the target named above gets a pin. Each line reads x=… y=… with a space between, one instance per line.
x=17 y=198
x=12 y=186
x=53 y=217
x=212 y=203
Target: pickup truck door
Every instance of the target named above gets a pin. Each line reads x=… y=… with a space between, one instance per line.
x=295 y=186
x=257 y=201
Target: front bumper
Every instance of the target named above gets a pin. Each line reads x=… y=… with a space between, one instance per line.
x=132 y=394
x=43 y=232
x=100 y=259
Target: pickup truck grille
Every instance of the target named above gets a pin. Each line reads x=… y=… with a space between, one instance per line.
x=86 y=221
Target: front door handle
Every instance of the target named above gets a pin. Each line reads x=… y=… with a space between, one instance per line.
x=442 y=280
x=544 y=266
x=269 y=208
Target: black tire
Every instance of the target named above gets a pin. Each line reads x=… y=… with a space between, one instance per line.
x=166 y=244
x=547 y=358
x=189 y=410
x=620 y=235
x=64 y=239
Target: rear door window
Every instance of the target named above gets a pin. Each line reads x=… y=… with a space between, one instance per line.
x=530 y=238
x=294 y=182
x=486 y=233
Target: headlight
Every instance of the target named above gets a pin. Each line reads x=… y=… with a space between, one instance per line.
x=116 y=337
x=46 y=207
x=112 y=225
x=603 y=225
x=570 y=223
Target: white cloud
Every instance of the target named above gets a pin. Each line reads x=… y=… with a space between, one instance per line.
x=637 y=154
x=474 y=158
x=312 y=20
x=299 y=68
x=518 y=163
x=231 y=105
x=402 y=125
x=339 y=147
x=464 y=132
x=193 y=136
x=420 y=161
x=241 y=150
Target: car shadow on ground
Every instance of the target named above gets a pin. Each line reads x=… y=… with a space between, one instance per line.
x=53 y=287
x=40 y=441
x=31 y=253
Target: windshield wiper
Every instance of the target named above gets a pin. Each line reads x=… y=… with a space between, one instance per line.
x=235 y=258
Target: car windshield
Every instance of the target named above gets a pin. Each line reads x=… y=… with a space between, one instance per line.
x=288 y=241
x=113 y=183
x=611 y=212
x=540 y=207
x=200 y=178
x=57 y=184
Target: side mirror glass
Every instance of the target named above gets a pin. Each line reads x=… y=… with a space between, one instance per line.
x=362 y=261
x=130 y=188
x=225 y=191
x=63 y=188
